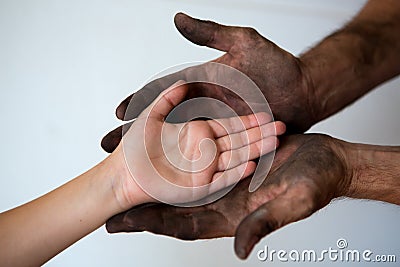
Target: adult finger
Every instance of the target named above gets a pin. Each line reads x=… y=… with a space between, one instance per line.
x=207 y=33
x=292 y=205
x=182 y=223
x=121 y=109
x=110 y=142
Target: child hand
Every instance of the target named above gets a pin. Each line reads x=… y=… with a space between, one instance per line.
x=184 y=162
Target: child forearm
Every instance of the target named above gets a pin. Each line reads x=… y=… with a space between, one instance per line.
x=33 y=233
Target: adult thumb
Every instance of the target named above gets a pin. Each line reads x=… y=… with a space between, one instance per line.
x=206 y=33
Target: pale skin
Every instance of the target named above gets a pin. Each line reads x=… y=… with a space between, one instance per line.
x=33 y=233
x=301 y=91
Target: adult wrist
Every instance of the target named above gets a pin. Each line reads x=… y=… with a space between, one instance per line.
x=374 y=172
x=310 y=92
x=350 y=62
x=340 y=149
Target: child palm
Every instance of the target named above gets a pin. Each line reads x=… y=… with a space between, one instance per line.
x=184 y=162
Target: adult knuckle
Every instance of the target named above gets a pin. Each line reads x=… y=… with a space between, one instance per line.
x=250 y=32
x=306 y=194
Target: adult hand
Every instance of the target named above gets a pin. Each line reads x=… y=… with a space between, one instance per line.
x=307 y=173
x=281 y=76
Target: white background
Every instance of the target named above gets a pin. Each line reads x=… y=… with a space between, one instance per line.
x=65 y=65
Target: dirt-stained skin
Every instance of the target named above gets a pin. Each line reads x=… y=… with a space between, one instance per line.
x=308 y=170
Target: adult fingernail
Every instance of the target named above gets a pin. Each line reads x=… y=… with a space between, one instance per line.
x=241 y=253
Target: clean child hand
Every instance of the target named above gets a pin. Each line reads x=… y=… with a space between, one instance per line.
x=185 y=162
